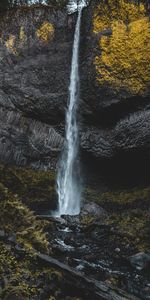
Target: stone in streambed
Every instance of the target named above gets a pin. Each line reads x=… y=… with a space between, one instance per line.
x=12 y=238
x=2 y=234
x=140 y=261
x=145 y=292
x=93 y=209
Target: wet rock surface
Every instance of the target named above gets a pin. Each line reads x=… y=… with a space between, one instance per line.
x=34 y=80
x=21 y=141
x=129 y=135
x=90 y=247
x=141 y=261
x=93 y=209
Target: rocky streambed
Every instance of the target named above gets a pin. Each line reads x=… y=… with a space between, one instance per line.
x=101 y=254
x=90 y=245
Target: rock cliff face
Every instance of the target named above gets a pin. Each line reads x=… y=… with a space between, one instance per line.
x=115 y=88
x=35 y=58
x=34 y=76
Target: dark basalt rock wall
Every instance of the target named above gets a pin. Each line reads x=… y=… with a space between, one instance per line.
x=25 y=141
x=34 y=79
x=115 y=126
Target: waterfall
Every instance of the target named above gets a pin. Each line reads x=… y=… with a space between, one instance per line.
x=68 y=177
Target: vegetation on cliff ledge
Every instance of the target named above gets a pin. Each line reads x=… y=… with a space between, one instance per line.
x=129 y=214
x=45 y=32
x=124 y=61
x=19 y=190
x=36 y=189
x=22 y=234
x=22 y=276
x=14 y=43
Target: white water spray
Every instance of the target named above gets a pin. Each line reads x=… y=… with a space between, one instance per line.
x=68 y=182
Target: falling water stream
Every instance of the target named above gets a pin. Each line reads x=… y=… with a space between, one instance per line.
x=68 y=177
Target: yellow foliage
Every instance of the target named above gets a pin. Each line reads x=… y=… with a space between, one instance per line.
x=10 y=44
x=45 y=32
x=22 y=35
x=17 y=219
x=123 y=10
x=125 y=60
x=21 y=275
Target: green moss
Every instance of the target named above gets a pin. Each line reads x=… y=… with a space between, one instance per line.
x=34 y=188
x=21 y=276
x=129 y=214
x=20 y=190
x=20 y=271
x=17 y=292
x=17 y=219
x=87 y=219
x=119 y=197
x=134 y=228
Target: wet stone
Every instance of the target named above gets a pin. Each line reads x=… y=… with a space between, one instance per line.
x=12 y=238
x=90 y=247
x=2 y=234
x=93 y=209
x=140 y=261
x=145 y=292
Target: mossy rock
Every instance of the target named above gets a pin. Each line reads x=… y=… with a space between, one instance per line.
x=134 y=226
x=17 y=219
x=34 y=188
x=122 y=197
x=129 y=214
x=24 y=278
x=24 y=233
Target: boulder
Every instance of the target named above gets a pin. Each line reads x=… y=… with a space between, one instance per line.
x=140 y=261
x=93 y=209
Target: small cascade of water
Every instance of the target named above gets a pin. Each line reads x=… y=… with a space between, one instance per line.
x=68 y=177
x=76 y=5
